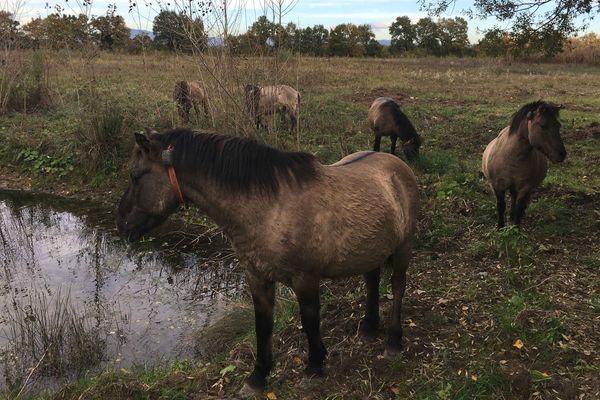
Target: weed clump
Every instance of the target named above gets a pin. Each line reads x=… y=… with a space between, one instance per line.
x=47 y=337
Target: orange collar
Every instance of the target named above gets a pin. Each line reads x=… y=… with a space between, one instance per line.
x=175 y=183
x=528 y=126
x=172 y=175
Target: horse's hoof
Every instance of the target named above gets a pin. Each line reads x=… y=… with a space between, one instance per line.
x=313 y=371
x=248 y=392
x=391 y=353
x=368 y=330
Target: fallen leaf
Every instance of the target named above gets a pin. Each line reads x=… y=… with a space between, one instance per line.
x=519 y=344
x=297 y=360
x=271 y=396
x=474 y=378
x=395 y=390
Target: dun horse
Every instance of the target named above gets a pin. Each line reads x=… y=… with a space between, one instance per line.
x=290 y=219
x=386 y=119
x=516 y=159
x=271 y=100
x=188 y=94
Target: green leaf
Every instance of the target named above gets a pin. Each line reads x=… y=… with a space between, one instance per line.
x=227 y=369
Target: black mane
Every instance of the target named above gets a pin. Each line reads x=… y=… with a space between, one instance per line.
x=521 y=115
x=236 y=163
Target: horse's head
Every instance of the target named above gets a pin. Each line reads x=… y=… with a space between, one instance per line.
x=411 y=147
x=149 y=198
x=544 y=132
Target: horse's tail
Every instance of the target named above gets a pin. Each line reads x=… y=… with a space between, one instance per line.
x=181 y=92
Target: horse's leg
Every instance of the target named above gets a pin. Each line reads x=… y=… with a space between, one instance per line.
x=205 y=107
x=196 y=111
x=520 y=206
x=307 y=293
x=400 y=260
x=393 y=148
x=513 y=202
x=501 y=207
x=263 y=297
x=370 y=322
x=377 y=144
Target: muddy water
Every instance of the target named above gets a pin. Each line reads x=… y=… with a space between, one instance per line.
x=147 y=300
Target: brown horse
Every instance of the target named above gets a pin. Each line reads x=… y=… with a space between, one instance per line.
x=290 y=219
x=270 y=100
x=386 y=119
x=516 y=159
x=188 y=94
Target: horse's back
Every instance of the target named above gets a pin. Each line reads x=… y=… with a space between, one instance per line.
x=390 y=179
x=198 y=90
x=383 y=116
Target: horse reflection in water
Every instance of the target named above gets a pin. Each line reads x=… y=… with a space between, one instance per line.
x=290 y=219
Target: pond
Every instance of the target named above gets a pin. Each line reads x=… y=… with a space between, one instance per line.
x=64 y=269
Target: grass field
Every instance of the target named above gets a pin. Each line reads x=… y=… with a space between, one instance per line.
x=474 y=294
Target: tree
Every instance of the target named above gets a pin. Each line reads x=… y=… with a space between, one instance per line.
x=531 y=19
x=110 y=31
x=139 y=44
x=453 y=36
x=495 y=43
x=428 y=36
x=9 y=30
x=404 y=35
x=35 y=33
x=66 y=31
x=313 y=41
x=177 y=32
x=262 y=34
x=349 y=40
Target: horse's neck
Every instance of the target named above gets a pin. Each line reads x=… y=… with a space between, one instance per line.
x=518 y=142
x=231 y=211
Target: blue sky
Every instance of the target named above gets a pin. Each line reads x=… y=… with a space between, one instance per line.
x=377 y=13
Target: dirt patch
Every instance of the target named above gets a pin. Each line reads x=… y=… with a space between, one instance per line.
x=367 y=97
x=592 y=131
x=581 y=107
x=570 y=197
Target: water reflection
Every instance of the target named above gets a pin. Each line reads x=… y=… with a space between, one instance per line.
x=147 y=298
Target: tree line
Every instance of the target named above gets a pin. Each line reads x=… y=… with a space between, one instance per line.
x=175 y=31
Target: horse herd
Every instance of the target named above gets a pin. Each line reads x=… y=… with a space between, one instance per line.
x=296 y=221
x=260 y=101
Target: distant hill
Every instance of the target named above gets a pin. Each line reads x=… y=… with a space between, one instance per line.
x=385 y=42
x=136 y=32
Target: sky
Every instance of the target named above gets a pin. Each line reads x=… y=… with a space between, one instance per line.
x=377 y=13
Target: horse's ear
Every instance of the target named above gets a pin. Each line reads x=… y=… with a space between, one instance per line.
x=530 y=115
x=143 y=142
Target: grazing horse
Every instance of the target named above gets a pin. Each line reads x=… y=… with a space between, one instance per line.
x=290 y=219
x=270 y=100
x=188 y=94
x=386 y=119
x=516 y=159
